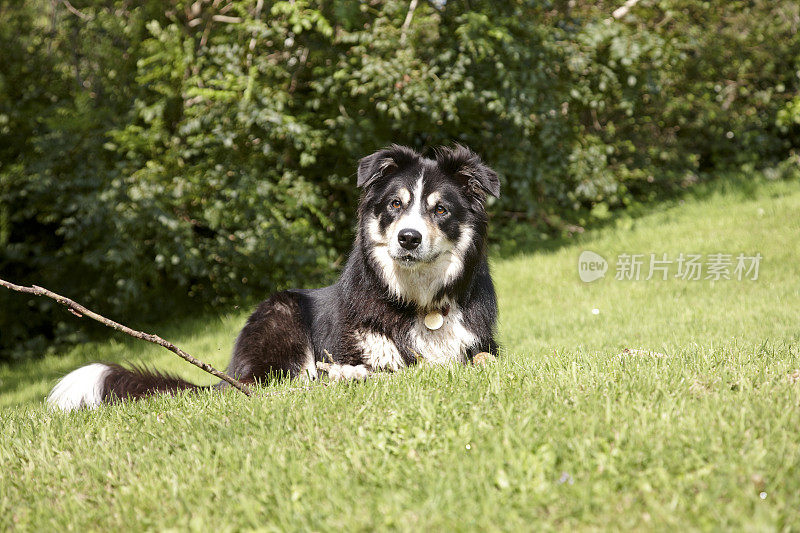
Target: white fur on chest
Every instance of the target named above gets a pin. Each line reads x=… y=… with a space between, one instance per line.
x=448 y=344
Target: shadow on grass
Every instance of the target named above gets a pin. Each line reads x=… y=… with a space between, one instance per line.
x=523 y=237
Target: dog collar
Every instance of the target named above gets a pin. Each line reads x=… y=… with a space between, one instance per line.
x=435 y=318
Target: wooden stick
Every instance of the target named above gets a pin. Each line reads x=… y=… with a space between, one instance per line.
x=79 y=311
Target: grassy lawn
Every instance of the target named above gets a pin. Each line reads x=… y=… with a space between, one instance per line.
x=567 y=431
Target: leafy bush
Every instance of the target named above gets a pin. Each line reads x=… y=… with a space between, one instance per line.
x=157 y=154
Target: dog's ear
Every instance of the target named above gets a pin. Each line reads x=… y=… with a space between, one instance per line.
x=373 y=167
x=481 y=179
x=384 y=163
x=468 y=167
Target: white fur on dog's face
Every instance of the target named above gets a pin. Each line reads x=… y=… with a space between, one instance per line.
x=417 y=276
x=416 y=216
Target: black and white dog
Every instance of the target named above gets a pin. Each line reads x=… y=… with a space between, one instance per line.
x=416 y=287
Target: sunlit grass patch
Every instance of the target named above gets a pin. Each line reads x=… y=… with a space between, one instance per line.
x=675 y=405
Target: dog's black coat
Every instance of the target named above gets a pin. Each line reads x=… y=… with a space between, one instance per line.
x=293 y=329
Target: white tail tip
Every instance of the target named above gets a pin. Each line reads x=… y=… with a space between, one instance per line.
x=80 y=388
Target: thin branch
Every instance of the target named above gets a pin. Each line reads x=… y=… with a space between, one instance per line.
x=407 y=23
x=74 y=11
x=248 y=92
x=226 y=19
x=300 y=64
x=252 y=46
x=79 y=311
x=53 y=25
x=624 y=9
x=256 y=16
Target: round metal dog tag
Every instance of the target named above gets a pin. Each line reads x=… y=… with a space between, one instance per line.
x=434 y=320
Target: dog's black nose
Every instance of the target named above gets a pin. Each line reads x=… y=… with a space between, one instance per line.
x=409 y=238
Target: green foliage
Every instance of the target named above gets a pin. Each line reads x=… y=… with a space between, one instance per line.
x=158 y=153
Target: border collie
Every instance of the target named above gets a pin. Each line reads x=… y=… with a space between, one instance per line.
x=416 y=287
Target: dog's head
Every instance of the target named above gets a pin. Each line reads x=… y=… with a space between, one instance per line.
x=423 y=220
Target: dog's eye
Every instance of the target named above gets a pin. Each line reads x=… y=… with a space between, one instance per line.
x=396 y=204
x=440 y=210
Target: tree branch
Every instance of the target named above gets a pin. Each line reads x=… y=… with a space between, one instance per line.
x=407 y=22
x=226 y=19
x=74 y=11
x=624 y=9
x=79 y=311
x=248 y=92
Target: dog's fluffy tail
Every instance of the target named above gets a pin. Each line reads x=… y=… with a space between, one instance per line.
x=98 y=383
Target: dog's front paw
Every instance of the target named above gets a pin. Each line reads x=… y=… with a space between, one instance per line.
x=338 y=372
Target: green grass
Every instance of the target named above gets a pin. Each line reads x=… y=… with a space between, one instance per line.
x=564 y=432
